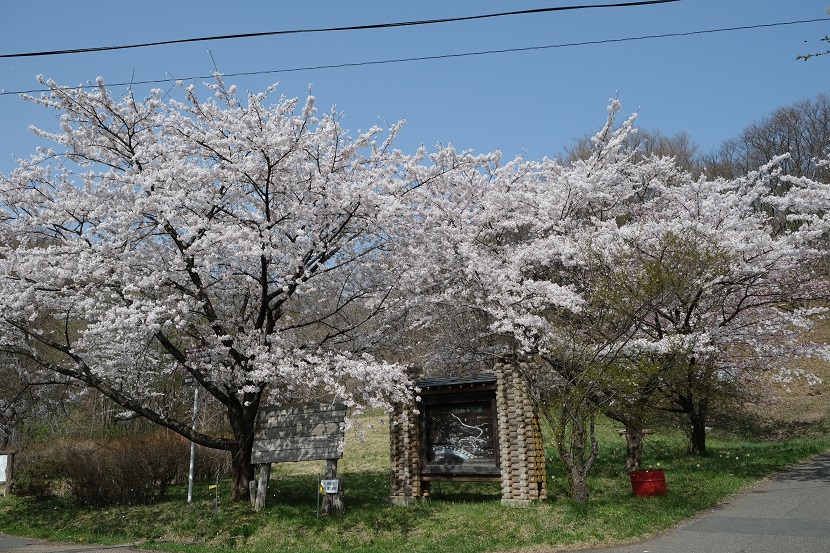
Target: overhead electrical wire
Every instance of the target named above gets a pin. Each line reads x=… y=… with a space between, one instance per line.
x=444 y=56
x=333 y=29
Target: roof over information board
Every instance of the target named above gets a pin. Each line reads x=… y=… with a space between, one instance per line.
x=457 y=381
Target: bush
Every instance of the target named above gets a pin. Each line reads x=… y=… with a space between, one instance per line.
x=208 y=464
x=129 y=470
x=39 y=470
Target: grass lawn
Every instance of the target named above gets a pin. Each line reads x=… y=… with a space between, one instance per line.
x=460 y=517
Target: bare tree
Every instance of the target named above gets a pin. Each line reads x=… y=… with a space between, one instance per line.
x=648 y=143
x=801 y=130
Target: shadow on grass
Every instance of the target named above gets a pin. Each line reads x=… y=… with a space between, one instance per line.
x=294 y=498
x=817 y=469
x=361 y=489
x=465 y=492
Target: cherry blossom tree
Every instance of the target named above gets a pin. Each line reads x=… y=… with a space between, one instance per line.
x=512 y=237
x=267 y=253
x=623 y=276
x=724 y=291
x=233 y=237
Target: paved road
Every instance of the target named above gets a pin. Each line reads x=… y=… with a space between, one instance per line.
x=26 y=545
x=789 y=513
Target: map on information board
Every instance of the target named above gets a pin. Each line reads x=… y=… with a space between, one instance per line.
x=460 y=438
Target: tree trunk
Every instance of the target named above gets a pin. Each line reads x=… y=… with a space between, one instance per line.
x=632 y=433
x=698 y=412
x=578 y=447
x=242 y=472
x=243 y=420
x=579 y=485
x=633 y=447
x=697 y=436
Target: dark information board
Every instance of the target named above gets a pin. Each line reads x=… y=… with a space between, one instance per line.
x=460 y=435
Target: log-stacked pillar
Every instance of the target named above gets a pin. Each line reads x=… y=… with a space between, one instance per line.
x=404 y=435
x=520 y=440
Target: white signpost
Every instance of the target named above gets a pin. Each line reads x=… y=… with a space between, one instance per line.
x=190 y=381
x=6 y=471
x=329 y=486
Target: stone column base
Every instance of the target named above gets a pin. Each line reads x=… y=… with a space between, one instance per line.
x=403 y=501
x=517 y=502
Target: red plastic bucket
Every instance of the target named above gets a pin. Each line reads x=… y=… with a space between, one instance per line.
x=645 y=483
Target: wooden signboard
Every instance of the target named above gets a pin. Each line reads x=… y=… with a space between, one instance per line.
x=300 y=432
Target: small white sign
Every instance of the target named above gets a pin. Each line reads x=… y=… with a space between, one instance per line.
x=3 y=462
x=330 y=486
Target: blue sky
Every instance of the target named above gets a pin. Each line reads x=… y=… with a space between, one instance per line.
x=531 y=103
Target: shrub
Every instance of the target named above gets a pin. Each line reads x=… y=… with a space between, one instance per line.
x=208 y=464
x=129 y=470
x=39 y=470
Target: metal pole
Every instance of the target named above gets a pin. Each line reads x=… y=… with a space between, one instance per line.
x=192 y=447
x=217 y=492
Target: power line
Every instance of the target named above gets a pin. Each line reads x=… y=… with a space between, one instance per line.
x=446 y=56
x=331 y=29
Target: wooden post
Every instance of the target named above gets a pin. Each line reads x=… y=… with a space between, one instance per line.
x=262 y=486
x=333 y=502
